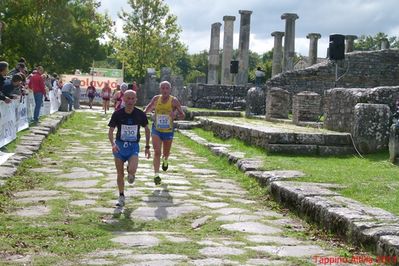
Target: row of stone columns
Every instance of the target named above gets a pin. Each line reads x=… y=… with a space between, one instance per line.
x=282 y=61
x=243 y=50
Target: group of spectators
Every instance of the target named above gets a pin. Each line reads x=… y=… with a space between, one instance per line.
x=19 y=82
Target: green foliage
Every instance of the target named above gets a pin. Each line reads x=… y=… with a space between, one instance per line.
x=152 y=38
x=367 y=43
x=61 y=35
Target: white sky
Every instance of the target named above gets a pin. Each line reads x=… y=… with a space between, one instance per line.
x=354 y=17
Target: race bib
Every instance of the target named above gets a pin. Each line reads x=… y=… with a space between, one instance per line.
x=163 y=121
x=106 y=94
x=129 y=132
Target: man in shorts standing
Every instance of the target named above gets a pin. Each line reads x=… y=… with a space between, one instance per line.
x=125 y=147
x=167 y=108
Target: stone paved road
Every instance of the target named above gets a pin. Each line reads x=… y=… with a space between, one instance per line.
x=196 y=217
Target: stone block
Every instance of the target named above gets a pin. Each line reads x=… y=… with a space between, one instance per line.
x=292 y=149
x=249 y=164
x=371 y=127
x=331 y=139
x=255 y=101
x=314 y=139
x=394 y=144
x=277 y=103
x=7 y=172
x=336 y=150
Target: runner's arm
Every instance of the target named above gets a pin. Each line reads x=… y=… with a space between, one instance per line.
x=147 y=142
x=111 y=138
x=150 y=106
x=177 y=108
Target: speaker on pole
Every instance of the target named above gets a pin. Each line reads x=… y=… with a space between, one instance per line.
x=336 y=48
x=234 y=67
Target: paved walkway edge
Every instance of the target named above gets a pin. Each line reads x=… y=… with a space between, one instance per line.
x=372 y=228
x=30 y=143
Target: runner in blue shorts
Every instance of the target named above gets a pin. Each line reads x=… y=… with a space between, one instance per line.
x=167 y=108
x=125 y=147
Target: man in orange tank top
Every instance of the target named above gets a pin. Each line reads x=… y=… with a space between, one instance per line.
x=167 y=108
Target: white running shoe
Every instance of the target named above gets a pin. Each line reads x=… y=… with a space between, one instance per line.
x=121 y=201
x=130 y=178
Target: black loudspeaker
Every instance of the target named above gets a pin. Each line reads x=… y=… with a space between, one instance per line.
x=336 y=47
x=234 y=67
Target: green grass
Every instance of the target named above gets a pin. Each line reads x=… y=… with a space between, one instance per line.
x=372 y=180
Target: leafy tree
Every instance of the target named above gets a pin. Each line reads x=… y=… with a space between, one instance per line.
x=61 y=35
x=197 y=66
x=367 y=43
x=152 y=38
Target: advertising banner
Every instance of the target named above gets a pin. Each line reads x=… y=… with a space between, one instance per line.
x=8 y=128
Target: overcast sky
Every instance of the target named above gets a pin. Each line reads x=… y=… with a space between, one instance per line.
x=347 y=17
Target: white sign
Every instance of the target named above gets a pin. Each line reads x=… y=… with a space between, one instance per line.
x=8 y=128
x=99 y=82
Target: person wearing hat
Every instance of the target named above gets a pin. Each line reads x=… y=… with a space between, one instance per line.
x=67 y=91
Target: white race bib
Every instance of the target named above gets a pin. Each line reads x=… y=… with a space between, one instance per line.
x=163 y=121
x=129 y=132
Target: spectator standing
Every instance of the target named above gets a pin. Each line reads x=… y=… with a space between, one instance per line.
x=36 y=84
x=68 y=90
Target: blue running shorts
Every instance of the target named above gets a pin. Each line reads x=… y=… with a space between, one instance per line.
x=162 y=135
x=126 y=150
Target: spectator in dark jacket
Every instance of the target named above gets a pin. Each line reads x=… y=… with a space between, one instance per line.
x=36 y=84
x=13 y=88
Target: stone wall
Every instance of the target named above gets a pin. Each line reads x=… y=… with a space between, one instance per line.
x=340 y=102
x=363 y=70
x=222 y=97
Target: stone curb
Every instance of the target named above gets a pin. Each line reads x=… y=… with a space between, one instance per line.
x=31 y=143
x=369 y=227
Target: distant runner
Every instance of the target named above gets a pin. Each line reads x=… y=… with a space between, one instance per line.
x=167 y=108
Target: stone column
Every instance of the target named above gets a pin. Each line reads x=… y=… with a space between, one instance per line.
x=313 y=37
x=213 y=61
x=349 y=41
x=277 y=52
x=243 y=47
x=227 y=49
x=384 y=44
x=289 y=41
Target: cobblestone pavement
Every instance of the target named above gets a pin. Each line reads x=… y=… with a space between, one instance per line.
x=198 y=216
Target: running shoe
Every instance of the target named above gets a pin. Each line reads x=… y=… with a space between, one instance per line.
x=121 y=201
x=165 y=165
x=130 y=178
x=157 y=180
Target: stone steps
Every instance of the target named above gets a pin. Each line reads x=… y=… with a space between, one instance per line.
x=277 y=140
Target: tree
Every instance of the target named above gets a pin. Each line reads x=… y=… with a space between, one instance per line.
x=61 y=35
x=367 y=43
x=152 y=38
